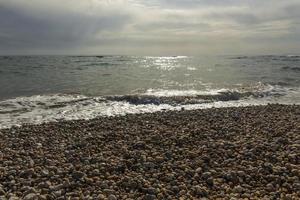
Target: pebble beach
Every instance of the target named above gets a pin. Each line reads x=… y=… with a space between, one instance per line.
x=219 y=153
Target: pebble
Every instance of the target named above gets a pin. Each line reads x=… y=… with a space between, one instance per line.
x=101 y=197
x=238 y=189
x=78 y=175
x=45 y=172
x=112 y=197
x=199 y=191
x=149 y=197
x=2 y=192
x=31 y=196
x=210 y=181
x=199 y=170
x=206 y=175
x=151 y=190
x=270 y=187
x=218 y=153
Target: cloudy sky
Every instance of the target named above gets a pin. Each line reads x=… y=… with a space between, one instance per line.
x=150 y=27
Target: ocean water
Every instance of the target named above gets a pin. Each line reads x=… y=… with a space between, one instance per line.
x=37 y=89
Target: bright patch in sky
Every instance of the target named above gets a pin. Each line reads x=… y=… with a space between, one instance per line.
x=149 y=27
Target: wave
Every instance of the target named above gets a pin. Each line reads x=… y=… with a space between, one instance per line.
x=88 y=56
x=270 y=57
x=293 y=56
x=296 y=69
x=46 y=108
x=224 y=94
x=167 y=57
x=170 y=93
x=39 y=102
x=100 y=64
x=240 y=57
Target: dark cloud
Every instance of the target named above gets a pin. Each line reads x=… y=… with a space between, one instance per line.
x=138 y=25
x=25 y=30
x=292 y=11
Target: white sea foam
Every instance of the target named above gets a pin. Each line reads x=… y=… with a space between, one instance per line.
x=170 y=93
x=46 y=108
x=257 y=87
x=39 y=109
x=191 y=68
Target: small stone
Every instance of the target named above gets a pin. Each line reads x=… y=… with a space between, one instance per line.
x=31 y=196
x=2 y=192
x=210 y=181
x=45 y=172
x=206 y=175
x=241 y=174
x=46 y=184
x=112 y=197
x=31 y=163
x=270 y=187
x=139 y=145
x=231 y=176
x=160 y=196
x=199 y=191
x=108 y=191
x=42 y=197
x=27 y=173
x=151 y=190
x=159 y=159
x=175 y=189
x=58 y=193
x=78 y=175
x=95 y=172
x=57 y=187
x=282 y=140
x=296 y=186
x=238 y=189
x=198 y=170
x=13 y=198
x=149 y=197
x=39 y=145
x=101 y=197
x=286 y=197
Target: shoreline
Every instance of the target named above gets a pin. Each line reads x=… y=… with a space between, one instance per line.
x=241 y=152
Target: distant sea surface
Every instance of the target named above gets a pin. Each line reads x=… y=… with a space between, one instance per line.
x=37 y=89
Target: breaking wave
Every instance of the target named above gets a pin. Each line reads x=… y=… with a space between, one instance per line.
x=46 y=108
x=295 y=69
x=270 y=57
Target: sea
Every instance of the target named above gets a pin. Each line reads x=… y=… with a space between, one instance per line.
x=39 y=89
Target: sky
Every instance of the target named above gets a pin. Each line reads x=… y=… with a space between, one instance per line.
x=149 y=27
